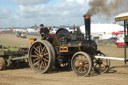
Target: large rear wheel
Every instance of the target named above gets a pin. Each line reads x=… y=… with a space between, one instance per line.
x=81 y=64
x=52 y=50
x=40 y=57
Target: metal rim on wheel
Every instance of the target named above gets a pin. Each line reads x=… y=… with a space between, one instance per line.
x=2 y=63
x=40 y=57
x=81 y=64
x=52 y=50
x=101 y=65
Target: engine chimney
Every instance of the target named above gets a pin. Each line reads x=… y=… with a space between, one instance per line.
x=87 y=20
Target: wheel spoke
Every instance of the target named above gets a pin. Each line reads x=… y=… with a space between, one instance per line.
x=45 y=59
x=39 y=49
x=36 y=59
x=36 y=49
x=36 y=53
x=42 y=64
x=39 y=64
x=85 y=62
x=43 y=49
x=34 y=56
x=45 y=64
x=85 y=66
x=36 y=63
x=81 y=58
x=79 y=69
x=84 y=69
x=45 y=54
x=77 y=63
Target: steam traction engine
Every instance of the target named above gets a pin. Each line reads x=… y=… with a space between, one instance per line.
x=64 y=49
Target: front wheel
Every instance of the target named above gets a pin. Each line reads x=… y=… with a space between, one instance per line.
x=81 y=64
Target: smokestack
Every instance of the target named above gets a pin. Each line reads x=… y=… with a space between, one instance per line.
x=87 y=20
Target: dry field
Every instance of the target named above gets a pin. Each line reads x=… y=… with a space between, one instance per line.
x=117 y=75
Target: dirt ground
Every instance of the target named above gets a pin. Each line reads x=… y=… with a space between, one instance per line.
x=117 y=75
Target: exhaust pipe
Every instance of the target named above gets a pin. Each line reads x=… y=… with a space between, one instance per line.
x=87 y=21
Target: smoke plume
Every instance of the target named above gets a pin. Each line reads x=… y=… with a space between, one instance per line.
x=107 y=7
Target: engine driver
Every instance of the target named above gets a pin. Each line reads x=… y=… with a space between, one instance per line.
x=43 y=31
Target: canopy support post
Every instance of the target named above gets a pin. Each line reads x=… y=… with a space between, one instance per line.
x=125 y=53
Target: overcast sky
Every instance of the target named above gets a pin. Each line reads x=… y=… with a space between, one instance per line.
x=48 y=12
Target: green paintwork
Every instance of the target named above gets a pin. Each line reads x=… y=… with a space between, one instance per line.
x=126 y=39
x=55 y=42
x=11 y=52
x=125 y=50
x=73 y=43
x=8 y=51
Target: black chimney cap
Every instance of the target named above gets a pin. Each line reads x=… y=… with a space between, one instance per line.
x=87 y=15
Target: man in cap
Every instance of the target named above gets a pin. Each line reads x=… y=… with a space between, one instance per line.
x=43 y=31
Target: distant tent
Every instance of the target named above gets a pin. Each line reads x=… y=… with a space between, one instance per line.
x=103 y=28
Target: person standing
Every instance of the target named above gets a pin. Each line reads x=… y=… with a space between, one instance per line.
x=43 y=31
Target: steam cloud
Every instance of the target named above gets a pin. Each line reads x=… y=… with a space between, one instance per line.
x=107 y=7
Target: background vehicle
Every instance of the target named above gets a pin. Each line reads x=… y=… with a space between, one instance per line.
x=120 y=42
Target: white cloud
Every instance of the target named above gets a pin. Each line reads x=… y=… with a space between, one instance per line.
x=67 y=12
x=79 y=1
x=62 y=13
x=31 y=2
x=4 y=13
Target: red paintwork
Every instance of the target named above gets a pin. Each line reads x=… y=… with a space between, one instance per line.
x=119 y=44
x=117 y=33
x=52 y=35
x=23 y=48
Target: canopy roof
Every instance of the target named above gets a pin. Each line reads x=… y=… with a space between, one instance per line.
x=122 y=17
